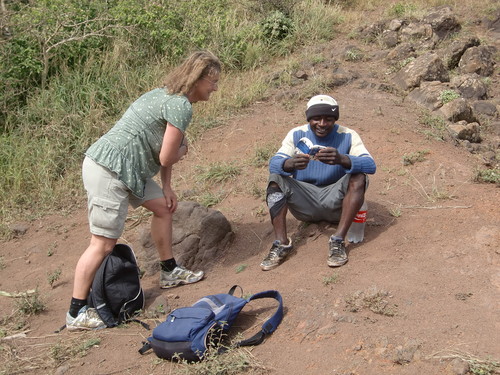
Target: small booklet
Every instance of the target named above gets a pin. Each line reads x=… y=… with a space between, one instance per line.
x=305 y=146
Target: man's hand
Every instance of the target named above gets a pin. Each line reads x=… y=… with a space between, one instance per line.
x=330 y=155
x=298 y=161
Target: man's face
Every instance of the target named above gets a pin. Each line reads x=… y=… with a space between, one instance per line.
x=322 y=125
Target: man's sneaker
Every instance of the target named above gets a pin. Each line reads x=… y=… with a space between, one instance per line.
x=276 y=255
x=87 y=319
x=337 y=255
x=179 y=276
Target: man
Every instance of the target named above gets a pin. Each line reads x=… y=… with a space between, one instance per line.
x=319 y=174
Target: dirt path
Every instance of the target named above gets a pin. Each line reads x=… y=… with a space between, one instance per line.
x=424 y=285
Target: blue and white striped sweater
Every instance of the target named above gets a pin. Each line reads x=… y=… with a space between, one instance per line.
x=345 y=140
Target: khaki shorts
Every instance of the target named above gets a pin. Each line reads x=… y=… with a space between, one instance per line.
x=108 y=199
x=311 y=203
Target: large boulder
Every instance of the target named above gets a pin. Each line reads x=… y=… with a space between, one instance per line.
x=458 y=110
x=464 y=131
x=471 y=86
x=428 y=94
x=453 y=53
x=443 y=22
x=428 y=67
x=199 y=237
x=480 y=60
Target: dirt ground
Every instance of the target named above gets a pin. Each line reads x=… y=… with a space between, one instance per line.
x=423 y=288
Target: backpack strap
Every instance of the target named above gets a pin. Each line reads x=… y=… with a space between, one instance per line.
x=269 y=325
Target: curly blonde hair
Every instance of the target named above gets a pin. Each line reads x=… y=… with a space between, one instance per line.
x=199 y=65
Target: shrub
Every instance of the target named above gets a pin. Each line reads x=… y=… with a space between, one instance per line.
x=277 y=26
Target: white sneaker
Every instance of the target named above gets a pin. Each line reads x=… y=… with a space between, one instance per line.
x=179 y=276
x=87 y=319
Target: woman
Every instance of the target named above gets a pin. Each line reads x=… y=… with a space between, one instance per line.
x=118 y=171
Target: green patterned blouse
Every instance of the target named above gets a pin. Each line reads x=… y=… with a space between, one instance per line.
x=131 y=148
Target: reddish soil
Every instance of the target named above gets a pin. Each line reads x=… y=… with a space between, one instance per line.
x=432 y=247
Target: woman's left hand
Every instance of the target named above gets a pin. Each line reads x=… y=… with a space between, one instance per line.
x=170 y=198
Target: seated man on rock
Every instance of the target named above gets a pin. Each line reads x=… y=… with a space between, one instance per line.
x=319 y=174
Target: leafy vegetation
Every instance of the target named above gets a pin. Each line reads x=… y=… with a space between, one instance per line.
x=373 y=299
x=30 y=303
x=447 y=96
x=413 y=157
x=69 y=75
x=488 y=175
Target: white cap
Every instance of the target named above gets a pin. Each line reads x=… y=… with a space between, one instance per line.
x=322 y=105
x=321 y=99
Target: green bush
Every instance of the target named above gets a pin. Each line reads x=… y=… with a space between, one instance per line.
x=276 y=27
x=68 y=75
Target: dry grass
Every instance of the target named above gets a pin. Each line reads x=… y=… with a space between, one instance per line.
x=373 y=299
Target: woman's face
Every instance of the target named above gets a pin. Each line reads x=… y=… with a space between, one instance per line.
x=203 y=88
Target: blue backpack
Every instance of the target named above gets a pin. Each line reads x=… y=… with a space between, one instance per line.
x=188 y=332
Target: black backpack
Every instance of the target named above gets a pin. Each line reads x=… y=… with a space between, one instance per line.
x=116 y=291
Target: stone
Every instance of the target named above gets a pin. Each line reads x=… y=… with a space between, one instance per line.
x=428 y=67
x=443 y=22
x=480 y=60
x=18 y=229
x=404 y=354
x=199 y=237
x=395 y=25
x=457 y=110
x=427 y=95
x=471 y=86
x=459 y=367
x=339 y=77
x=485 y=108
x=415 y=31
x=389 y=38
x=463 y=131
x=300 y=74
x=401 y=52
x=453 y=53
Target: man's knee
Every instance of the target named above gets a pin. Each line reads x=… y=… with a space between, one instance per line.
x=357 y=181
x=275 y=199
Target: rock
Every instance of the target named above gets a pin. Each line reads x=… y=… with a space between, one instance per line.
x=405 y=353
x=428 y=67
x=485 y=108
x=453 y=53
x=300 y=74
x=339 y=77
x=443 y=22
x=495 y=127
x=199 y=238
x=459 y=367
x=18 y=229
x=415 y=31
x=61 y=370
x=457 y=110
x=401 y=52
x=471 y=86
x=395 y=25
x=480 y=60
x=389 y=38
x=371 y=32
x=492 y=23
x=427 y=95
x=463 y=131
